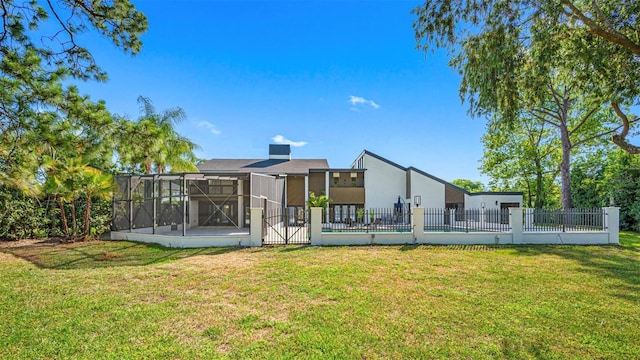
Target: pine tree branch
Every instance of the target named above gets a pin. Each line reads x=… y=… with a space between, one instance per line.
x=608 y=34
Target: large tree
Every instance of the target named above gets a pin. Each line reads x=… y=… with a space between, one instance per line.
x=495 y=42
x=524 y=157
x=44 y=122
x=605 y=177
x=577 y=120
x=40 y=49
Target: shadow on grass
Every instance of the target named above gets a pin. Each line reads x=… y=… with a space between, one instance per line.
x=619 y=262
x=290 y=248
x=409 y=247
x=616 y=262
x=50 y=254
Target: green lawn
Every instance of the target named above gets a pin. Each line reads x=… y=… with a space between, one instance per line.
x=126 y=300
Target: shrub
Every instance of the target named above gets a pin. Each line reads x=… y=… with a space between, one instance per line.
x=21 y=216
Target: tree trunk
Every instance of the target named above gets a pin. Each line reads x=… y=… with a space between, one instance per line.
x=87 y=213
x=565 y=167
x=565 y=164
x=147 y=165
x=73 y=219
x=63 y=216
x=540 y=198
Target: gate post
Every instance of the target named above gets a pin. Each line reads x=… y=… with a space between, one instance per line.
x=515 y=220
x=417 y=220
x=612 y=224
x=256 y=227
x=316 y=226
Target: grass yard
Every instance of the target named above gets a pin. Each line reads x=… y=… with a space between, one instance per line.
x=126 y=300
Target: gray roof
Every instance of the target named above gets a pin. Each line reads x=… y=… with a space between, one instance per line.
x=445 y=183
x=263 y=166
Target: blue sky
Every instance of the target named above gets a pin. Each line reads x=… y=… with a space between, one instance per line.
x=338 y=77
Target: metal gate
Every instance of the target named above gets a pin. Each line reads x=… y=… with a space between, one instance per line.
x=288 y=225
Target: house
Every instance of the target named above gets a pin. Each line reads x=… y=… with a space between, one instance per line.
x=371 y=182
x=222 y=193
x=278 y=181
x=386 y=181
x=256 y=202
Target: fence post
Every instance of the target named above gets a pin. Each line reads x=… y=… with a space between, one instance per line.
x=256 y=227
x=612 y=224
x=316 y=226
x=417 y=220
x=515 y=220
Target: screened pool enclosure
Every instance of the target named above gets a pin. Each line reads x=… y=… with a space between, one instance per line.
x=193 y=203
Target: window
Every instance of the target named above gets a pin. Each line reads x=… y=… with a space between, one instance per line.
x=221 y=187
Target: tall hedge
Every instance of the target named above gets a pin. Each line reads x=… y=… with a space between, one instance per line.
x=25 y=217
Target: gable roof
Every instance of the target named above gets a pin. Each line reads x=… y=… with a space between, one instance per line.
x=263 y=166
x=376 y=156
x=445 y=183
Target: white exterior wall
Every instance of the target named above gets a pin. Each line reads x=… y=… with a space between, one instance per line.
x=430 y=191
x=475 y=201
x=515 y=236
x=383 y=183
x=176 y=241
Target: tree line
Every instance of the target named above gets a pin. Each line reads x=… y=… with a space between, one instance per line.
x=57 y=180
x=59 y=149
x=558 y=82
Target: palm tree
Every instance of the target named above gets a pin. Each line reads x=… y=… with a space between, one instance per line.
x=179 y=155
x=58 y=183
x=95 y=184
x=152 y=142
x=321 y=201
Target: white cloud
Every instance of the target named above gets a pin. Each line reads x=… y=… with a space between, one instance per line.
x=358 y=100
x=279 y=139
x=209 y=126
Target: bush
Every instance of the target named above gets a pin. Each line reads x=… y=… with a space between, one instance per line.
x=21 y=216
x=100 y=218
x=24 y=217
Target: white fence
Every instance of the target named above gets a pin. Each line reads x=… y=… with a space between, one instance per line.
x=525 y=226
x=599 y=226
